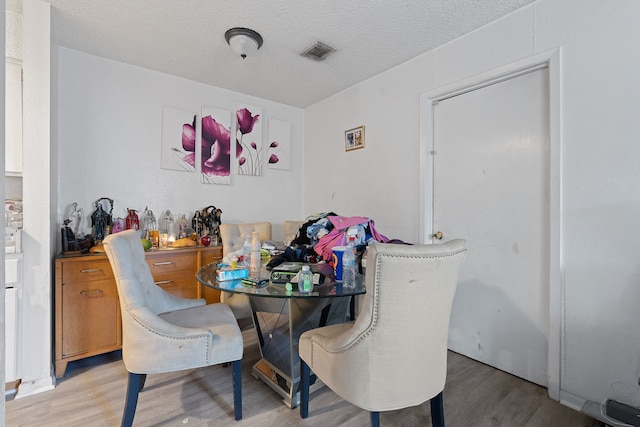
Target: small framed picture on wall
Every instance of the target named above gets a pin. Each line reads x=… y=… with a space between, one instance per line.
x=354 y=139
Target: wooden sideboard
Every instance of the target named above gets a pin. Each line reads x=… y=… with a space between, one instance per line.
x=87 y=310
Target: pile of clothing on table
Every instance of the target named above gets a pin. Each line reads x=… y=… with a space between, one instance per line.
x=321 y=232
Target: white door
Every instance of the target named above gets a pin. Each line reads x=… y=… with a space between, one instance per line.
x=491 y=187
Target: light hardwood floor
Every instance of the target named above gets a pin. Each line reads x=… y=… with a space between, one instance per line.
x=92 y=394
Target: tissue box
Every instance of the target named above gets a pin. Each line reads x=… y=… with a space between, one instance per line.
x=229 y=273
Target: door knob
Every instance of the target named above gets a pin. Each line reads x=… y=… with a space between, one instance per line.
x=438 y=235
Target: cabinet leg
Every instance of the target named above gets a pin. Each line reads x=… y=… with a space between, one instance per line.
x=61 y=368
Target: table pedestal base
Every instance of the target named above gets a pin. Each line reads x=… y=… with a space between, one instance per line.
x=280 y=322
x=281 y=384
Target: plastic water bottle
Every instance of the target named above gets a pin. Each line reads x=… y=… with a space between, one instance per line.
x=246 y=251
x=305 y=280
x=349 y=265
x=255 y=255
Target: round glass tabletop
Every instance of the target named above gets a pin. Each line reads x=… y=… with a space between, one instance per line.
x=327 y=288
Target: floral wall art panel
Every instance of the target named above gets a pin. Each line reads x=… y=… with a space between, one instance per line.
x=249 y=140
x=178 y=139
x=279 y=148
x=215 y=158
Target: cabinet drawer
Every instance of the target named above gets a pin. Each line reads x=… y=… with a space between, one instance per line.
x=90 y=318
x=180 y=290
x=211 y=257
x=83 y=271
x=176 y=278
x=180 y=283
x=161 y=264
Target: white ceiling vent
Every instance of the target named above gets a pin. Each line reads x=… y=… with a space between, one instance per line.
x=318 y=52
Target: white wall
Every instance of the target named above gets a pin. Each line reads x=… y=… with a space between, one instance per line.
x=601 y=93
x=2 y=146
x=600 y=241
x=38 y=242
x=13 y=25
x=110 y=128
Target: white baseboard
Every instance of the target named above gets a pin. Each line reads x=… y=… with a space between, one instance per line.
x=29 y=388
x=10 y=389
x=571 y=400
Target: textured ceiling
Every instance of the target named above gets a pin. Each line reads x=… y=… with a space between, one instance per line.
x=186 y=38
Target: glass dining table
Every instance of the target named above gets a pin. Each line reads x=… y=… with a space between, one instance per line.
x=281 y=316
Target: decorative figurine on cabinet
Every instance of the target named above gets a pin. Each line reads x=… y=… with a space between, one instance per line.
x=101 y=220
x=132 y=221
x=149 y=223
x=75 y=220
x=212 y=218
x=197 y=223
x=118 y=225
x=69 y=242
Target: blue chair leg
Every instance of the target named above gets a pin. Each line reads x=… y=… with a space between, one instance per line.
x=135 y=384
x=437 y=411
x=305 y=379
x=237 y=389
x=375 y=419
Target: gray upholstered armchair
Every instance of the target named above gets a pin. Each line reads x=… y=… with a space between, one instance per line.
x=394 y=355
x=164 y=333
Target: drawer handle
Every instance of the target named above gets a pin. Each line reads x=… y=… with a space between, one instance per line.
x=164 y=282
x=92 y=291
x=162 y=263
x=90 y=270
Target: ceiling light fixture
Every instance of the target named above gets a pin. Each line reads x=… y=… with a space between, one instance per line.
x=243 y=41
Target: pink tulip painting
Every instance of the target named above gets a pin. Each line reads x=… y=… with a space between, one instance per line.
x=278 y=152
x=249 y=140
x=215 y=158
x=178 y=139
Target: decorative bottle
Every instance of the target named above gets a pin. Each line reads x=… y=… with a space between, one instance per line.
x=305 y=280
x=150 y=227
x=182 y=223
x=167 y=229
x=255 y=255
x=246 y=250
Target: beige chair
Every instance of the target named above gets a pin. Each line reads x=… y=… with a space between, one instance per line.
x=291 y=229
x=232 y=236
x=394 y=355
x=164 y=333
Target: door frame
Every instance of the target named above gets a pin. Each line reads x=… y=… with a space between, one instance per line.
x=551 y=60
